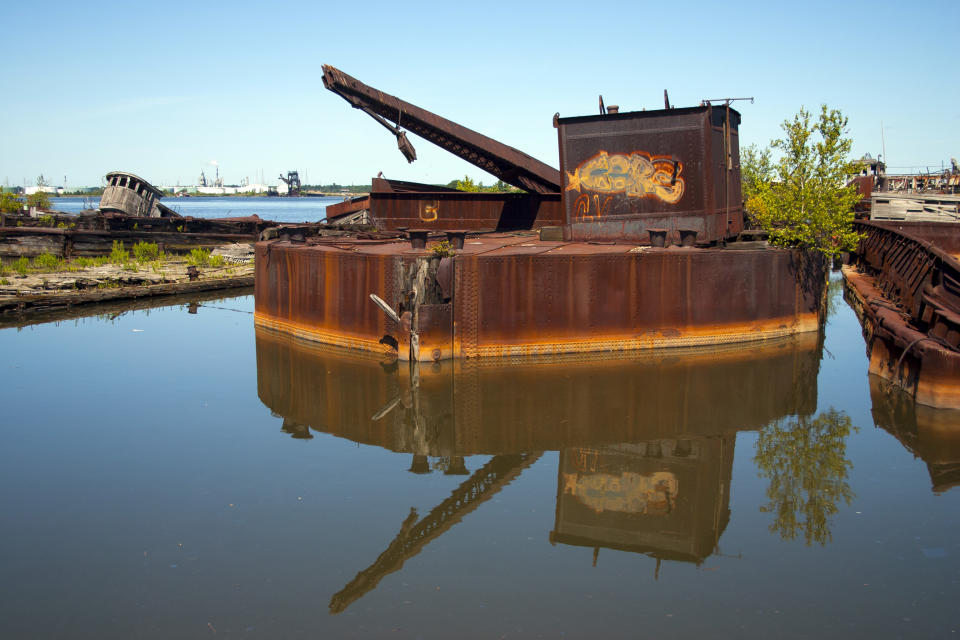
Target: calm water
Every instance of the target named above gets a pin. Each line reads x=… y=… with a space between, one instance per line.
x=167 y=474
x=278 y=209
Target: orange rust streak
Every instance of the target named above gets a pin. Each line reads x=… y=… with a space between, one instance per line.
x=705 y=335
x=317 y=334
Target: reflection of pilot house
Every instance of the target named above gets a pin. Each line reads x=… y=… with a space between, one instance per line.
x=667 y=498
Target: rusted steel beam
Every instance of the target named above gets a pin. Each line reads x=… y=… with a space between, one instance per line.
x=507 y=163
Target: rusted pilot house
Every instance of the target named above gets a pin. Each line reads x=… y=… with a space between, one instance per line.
x=632 y=244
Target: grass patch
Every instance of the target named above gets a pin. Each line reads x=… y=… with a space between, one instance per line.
x=119 y=255
x=146 y=251
x=20 y=265
x=199 y=257
x=47 y=262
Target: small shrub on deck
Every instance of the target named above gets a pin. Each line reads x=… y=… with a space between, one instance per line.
x=10 y=203
x=119 y=255
x=199 y=257
x=146 y=251
x=442 y=249
x=47 y=262
x=20 y=265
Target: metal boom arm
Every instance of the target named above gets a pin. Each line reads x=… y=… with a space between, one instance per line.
x=507 y=163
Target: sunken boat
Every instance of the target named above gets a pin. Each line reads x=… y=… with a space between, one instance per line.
x=637 y=242
x=129 y=211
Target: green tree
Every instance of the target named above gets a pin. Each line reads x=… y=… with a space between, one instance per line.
x=756 y=167
x=468 y=185
x=9 y=203
x=802 y=199
x=806 y=464
x=40 y=200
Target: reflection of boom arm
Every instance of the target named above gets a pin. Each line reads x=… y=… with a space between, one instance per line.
x=507 y=163
x=475 y=490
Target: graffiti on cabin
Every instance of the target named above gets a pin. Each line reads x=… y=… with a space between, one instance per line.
x=638 y=175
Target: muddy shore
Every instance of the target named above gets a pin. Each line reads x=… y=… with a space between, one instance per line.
x=46 y=291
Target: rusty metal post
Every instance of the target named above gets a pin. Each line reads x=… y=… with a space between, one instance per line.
x=688 y=237
x=456 y=238
x=418 y=238
x=420 y=464
x=658 y=237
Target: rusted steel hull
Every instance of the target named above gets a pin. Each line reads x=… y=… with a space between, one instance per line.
x=906 y=291
x=323 y=295
x=462 y=408
x=942 y=235
x=353 y=205
x=669 y=170
x=394 y=204
x=900 y=353
x=514 y=295
x=519 y=305
x=467 y=211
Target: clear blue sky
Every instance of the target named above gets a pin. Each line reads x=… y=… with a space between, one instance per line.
x=163 y=89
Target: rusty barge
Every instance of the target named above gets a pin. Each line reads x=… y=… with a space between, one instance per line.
x=634 y=244
x=904 y=284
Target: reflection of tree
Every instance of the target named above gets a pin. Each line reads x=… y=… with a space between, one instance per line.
x=805 y=460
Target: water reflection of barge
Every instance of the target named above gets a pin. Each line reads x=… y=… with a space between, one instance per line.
x=630 y=186
x=646 y=444
x=928 y=433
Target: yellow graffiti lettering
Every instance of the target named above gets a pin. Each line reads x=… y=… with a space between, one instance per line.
x=638 y=175
x=430 y=212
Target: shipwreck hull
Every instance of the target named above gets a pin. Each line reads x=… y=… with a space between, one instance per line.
x=905 y=289
x=509 y=295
